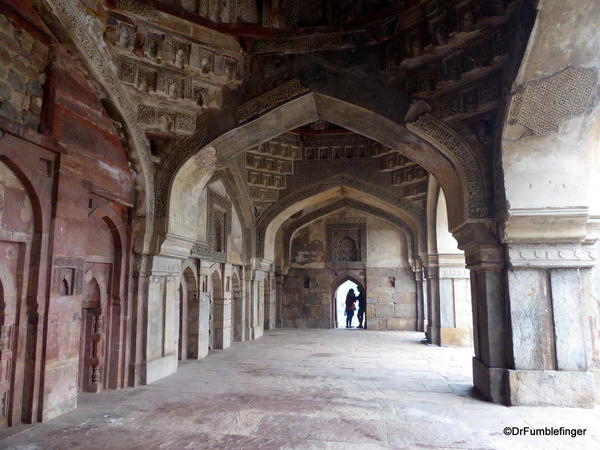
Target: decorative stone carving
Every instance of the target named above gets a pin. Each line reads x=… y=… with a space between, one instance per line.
x=347 y=203
x=346 y=246
x=543 y=104
x=136 y=7
x=551 y=255
x=219 y=225
x=146 y=114
x=127 y=70
x=479 y=204
x=269 y=100
x=76 y=26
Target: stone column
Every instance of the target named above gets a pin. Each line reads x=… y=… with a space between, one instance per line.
x=222 y=311
x=449 y=322
x=420 y=299
x=279 y=300
x=203 y=309
x=547 y=323
x=270 y=301
x=138 y=311
x=491 y=323
x=550 y=166
x=161 y=351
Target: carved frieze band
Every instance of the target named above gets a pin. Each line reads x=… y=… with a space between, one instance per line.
x=310 y=43
x=552 y=256
x=269 y=100
x=542 y=105
x=479 y=203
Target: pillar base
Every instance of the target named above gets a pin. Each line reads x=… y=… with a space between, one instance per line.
x=534 y=387
x=161 y=367
x=551 y=388
x=450 y=337
x=489 y=382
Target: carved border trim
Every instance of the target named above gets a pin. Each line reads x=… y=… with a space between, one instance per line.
x=269 y=100
x=74 y=25
x=477 y=190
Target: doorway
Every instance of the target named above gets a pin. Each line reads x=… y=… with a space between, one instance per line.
x=340 y=303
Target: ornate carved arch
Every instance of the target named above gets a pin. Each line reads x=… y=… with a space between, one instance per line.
x=284 y=106
x=477 y=188
x=78 y=30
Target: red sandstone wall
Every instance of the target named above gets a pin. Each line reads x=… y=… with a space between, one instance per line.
x=59 y=142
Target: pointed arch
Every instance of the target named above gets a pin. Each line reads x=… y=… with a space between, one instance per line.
x=428 y=142
x=334 y=187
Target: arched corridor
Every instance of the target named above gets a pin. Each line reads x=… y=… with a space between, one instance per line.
x=179 y=179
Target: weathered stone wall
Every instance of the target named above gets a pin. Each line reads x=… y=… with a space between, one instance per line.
x=310 y=283
x=22 y=62
x=75 y=171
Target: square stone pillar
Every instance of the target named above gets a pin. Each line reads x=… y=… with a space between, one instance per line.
x=491 y=323
x=203 y=309
x=421 y=309
x=270 y=301
x=141 y=283
x=449 y=297
x=161 y=349
x=222 y=311
x=530 y=348
x=547 y=324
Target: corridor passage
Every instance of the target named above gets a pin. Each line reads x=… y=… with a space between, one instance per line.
x=321 y=389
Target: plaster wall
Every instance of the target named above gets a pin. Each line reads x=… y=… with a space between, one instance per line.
x=391 y=289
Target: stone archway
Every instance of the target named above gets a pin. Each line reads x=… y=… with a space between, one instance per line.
x=427 y=141
x=21 y=329
x=341 y=278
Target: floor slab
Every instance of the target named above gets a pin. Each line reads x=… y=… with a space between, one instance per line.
x=304 y=389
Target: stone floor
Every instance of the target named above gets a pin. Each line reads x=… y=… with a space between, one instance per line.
x=321 y=389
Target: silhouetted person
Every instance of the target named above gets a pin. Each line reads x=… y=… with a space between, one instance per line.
x=362 y=305
x=350 y=307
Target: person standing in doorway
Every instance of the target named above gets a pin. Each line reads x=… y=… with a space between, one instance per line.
x=362 y=304
x=350 y=307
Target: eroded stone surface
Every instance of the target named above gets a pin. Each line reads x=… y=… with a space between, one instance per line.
x=321 y=389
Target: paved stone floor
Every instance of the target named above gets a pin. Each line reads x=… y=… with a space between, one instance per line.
x=321 y=389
